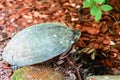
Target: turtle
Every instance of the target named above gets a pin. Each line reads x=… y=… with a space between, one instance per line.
x=39 y=43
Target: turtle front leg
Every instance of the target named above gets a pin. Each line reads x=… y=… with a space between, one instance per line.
x=14 y=67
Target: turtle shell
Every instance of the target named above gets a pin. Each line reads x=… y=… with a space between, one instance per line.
x=38 y=43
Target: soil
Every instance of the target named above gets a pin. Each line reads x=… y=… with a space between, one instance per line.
x=98 y=48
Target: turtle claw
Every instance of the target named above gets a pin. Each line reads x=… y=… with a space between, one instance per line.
x=14 y=67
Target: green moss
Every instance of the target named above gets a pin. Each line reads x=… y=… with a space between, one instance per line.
x=37 y=72
x=17 y=75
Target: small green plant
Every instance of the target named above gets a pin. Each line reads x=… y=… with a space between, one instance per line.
x=96 y=7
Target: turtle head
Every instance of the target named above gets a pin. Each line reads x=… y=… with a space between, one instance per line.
x=76 y=35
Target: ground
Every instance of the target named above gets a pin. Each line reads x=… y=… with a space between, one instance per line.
x=99 y=40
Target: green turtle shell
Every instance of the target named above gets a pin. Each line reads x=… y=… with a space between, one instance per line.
x=39 y=43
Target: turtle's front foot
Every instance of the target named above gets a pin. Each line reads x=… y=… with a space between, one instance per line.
x=14 y=67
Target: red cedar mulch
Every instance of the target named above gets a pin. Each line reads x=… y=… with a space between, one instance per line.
x=103 y=36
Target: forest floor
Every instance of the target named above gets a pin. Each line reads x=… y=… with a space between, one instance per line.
x=99 y=42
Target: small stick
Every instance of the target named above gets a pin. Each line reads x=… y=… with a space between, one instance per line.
x=76 y=68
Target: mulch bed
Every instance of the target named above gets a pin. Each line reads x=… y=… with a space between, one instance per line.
x=102 y=37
